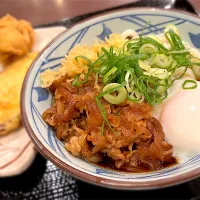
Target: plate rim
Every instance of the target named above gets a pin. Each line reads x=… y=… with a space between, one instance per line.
x=100 y=181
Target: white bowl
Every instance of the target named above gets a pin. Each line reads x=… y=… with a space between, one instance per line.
x=35 y=100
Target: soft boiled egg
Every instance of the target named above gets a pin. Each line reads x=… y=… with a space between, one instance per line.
x=179 y=115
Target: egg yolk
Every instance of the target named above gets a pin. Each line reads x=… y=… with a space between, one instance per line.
x=180 y=119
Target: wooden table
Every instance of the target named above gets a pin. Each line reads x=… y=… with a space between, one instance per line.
x=44 y=11
x=196 y=5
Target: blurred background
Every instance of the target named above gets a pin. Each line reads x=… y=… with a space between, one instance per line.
x=44 y=11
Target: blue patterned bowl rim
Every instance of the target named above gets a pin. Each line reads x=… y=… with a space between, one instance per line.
x=115 y=184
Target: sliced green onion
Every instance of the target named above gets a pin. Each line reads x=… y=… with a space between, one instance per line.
x=192 y=84
x=179 y=51
x=162 y=61
x=143 y=69
x=84 y=58
x=136 y=96
x=173 y=66
x=150 y=50
x=96 y=78
x=111 y=72
x=160 y=89
x=76 y=81
x=173 y=27
x=130 y=82
x=119 y=98
x=107 y=53
x=143 y=88
x=144 y=65
x=159 y=73
x=160 y=47
x=155 y=38
x=174 y=40
x=131 y=45
x=103 y=69
x=102 y=109
x=103 y=112
x=102 y=128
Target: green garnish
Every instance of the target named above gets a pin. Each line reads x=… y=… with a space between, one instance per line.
x=150 y=50
x=189 y=87
x=142 y=70
x=117 y=99
x=76 y=81
x=109 y=75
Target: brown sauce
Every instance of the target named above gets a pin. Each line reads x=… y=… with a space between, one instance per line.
x=108 y=163
x=78 y=120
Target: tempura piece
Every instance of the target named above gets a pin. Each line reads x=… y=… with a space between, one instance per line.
x=72 y=67
x=11 y=80
x=16 y=38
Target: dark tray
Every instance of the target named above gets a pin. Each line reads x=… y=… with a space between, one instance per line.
x=44 y=181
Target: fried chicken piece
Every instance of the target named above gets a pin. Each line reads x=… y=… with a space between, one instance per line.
x=11 y=80
x=16 y=38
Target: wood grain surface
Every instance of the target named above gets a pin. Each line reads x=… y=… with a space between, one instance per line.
x=45 y=11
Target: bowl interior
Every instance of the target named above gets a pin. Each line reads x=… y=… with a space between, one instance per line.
x=35 y=100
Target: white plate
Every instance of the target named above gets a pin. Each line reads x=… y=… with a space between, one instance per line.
x=17 y=152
